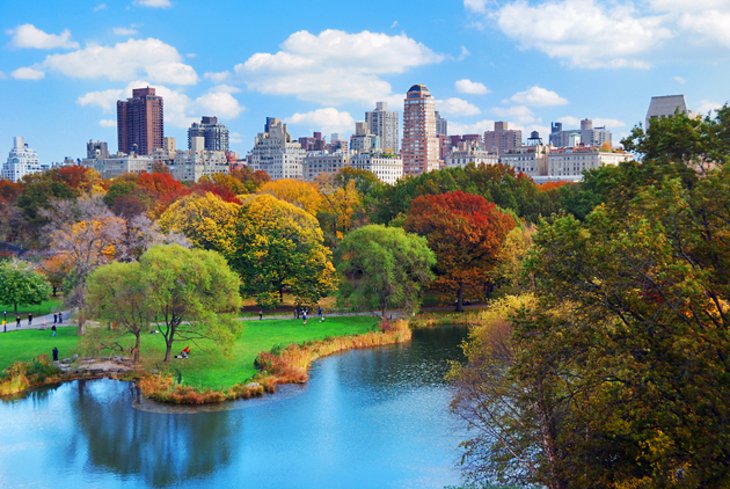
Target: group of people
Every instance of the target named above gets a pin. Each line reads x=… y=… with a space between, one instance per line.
x=303 y=311
x=57 y=319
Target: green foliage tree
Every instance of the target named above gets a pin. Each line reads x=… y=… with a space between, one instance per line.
x=119 y=293
x=383 y=267
x=190 y=291
x=21 y=284
x=279 y=248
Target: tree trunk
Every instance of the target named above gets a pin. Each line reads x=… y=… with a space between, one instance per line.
x=281 y=295
x=135 y=351
x=15 y=307
x=82 y=321
x=460 y=299
x=168 y=350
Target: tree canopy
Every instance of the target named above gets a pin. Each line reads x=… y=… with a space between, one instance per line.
x=21 y=284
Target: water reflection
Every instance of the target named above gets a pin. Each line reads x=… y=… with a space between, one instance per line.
x=163 y=449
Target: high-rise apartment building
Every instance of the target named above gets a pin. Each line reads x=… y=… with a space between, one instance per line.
x=21 y=161
x=665 y=106
x=214 y=134
x=384 y=124
x=364 y=141
x=587 y=135
x=275 y=153
x=442 y=125
x=502 y=139
x=140 y=126
x=420 y=149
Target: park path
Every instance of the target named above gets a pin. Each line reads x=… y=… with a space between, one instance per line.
x=39 y=322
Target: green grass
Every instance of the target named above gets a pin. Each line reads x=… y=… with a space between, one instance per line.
x=206 y=367
x=46 y=307
x=24 y=345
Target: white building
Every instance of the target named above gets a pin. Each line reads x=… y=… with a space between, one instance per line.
x=192 y=164
x=363 y=141
x=388 y=168
x=115 y=166
x=469 y=152
x=570 y=163
x=22 y=161
x=664 y=106
x=275 y=153
x=318 y=162
x=384 y=124
x=530 y=160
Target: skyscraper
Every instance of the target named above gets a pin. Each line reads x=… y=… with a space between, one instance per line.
x=214 y=134
x=21 y=161
x=442 y=125
x=665 y=106
x=140 y=126
x=384 y=124
x=420 y=148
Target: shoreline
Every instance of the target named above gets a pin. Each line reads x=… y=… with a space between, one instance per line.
x=289 y=365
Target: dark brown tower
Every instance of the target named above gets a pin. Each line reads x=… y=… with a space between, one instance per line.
x=140 y=126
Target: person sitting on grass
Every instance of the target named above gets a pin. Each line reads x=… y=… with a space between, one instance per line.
x=185 y=353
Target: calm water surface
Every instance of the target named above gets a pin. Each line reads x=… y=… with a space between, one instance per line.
x=367 y=419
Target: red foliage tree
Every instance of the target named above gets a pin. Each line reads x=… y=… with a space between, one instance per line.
x=466 y=232
x=163 y=190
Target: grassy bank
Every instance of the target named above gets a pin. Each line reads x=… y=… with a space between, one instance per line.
x=207 y=368
x=470 y=317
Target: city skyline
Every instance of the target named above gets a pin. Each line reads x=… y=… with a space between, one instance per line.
x=63 y=71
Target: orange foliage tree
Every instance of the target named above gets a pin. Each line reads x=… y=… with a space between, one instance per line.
x=467 y=233
x=163 y=190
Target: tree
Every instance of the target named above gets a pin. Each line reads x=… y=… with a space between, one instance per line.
x=383 y=267
x=301 y=194
x=56 y=268
x=119 y=293
x=21 y=284
x=339 y=208
x=466 y=232
x=279 y=248
x=190 y=292
x=206 y=220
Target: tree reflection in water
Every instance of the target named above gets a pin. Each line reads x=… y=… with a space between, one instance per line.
x=162 y=449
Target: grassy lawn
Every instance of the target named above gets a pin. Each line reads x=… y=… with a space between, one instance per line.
x=46 y=307
x=206 y=367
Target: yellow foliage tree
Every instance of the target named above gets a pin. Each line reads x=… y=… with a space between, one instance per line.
x=302 y=194
x=206 y=220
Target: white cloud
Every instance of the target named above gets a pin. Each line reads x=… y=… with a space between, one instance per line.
x=27 y=73
x=583 y=33
x=334 y=66
x=125 y=61
x=108 y=123
x=125 y=31
x=226 y=88
x=476 y=6
x=100 y=7
x=105 y=99
x=679 y=79
x=519 y=114
x=217 y=76
x=537 y=96
x=29 y=36
x=219 y=103
x=235 y=138
x=456 y=107
x=470 y=87
x=707 y=107
x=478 y=127
x=153 y=3
x=710 y=25
x=327 y=120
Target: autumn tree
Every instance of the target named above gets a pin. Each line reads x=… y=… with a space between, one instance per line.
x=191 y=292
x=301 y=194
x=383 y=267
x=119 y=293
x=86 y=233
x=251 y=179
x=340 y=208
x=56 y=269
x=206 y=220
x=466 y=232
x=21 y=284
x=279 y=248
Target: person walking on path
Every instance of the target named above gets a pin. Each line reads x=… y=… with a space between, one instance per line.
x=53 y=330
x=55 y=353
x=55 y=318
x=30 y=319
x=60 y=317
x=5 y=325
x=304 y=317
x=261 y=314
x=17 y=320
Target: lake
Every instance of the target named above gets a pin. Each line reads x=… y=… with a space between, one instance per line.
x=375 y=418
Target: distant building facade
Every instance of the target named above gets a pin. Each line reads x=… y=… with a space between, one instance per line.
x=384 y=124
x=420 y=148
x=22 y=161
x=364 y=141
x=442 y=125
x=314 y=143
x=387 y=167
x=665 y=106
x=570 y=163
x=587 y=135
x=316 y=163
x=275 y=153
x=121 y=164
x=214 y=134
x=140 y=122
x=190 y=165
x=96 y=150
x=502 y=139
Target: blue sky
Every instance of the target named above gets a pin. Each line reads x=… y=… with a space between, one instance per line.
x=320 y=64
